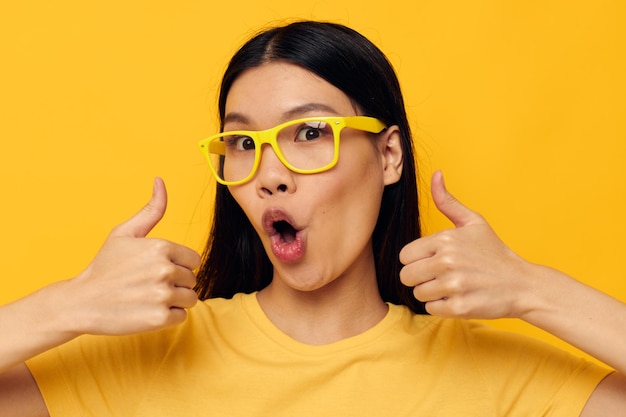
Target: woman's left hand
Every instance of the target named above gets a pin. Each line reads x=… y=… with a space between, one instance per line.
x=465 y=272
x=468 y=272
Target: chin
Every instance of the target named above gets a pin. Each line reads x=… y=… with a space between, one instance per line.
x=302 y=281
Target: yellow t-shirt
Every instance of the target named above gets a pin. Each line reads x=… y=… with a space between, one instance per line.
x=228 y=359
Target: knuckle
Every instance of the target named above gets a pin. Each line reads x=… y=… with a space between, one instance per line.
x=447 y=262
x=446 y=237
x=196 y=260
x=411 y=275
x=177 y=316
x=192 y=280
x=160 y=246
x=454 y=285
x=479 y=218
x=166 y=270
x=116 y=230
x=419 y=294
x=190 y=300
x=403 y=256
x=159 y=317
x=459 y=307
x=162 y=295
x=405 y=276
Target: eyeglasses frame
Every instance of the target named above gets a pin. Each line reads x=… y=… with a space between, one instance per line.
x=210 y=145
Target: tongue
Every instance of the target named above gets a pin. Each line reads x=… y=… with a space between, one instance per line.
x=288 y=245
x=286 y=231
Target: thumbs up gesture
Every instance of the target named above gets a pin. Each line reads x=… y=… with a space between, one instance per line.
x=134 y=284
x=467 y=271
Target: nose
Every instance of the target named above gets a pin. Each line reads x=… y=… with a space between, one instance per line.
x=272 y=176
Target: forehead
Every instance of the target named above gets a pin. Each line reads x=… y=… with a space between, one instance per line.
x=278 y=91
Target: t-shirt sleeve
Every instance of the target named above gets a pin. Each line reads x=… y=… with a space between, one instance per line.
x=531 y=377
x=98 y=375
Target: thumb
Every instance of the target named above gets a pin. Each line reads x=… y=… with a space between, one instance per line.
x=144 y=221
x=452 y=208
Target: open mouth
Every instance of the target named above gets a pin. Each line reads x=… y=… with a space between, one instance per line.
x=286 y=231
x=277 y=222
x=287 y=240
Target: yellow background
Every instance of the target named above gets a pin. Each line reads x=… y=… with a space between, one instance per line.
x=521 y=103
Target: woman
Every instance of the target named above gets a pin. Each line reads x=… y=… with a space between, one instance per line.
x=307 y=307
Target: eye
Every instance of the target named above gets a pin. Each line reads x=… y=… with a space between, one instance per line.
x=239 y=142
x=312 y=130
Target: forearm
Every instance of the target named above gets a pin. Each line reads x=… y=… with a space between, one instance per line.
x=580 y=315
x=32 y=325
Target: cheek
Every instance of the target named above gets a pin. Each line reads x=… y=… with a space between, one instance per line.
x=245 y=195
x=364 y=175
x=354 y=193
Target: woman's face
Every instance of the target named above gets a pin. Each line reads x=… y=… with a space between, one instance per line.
x=315 y=228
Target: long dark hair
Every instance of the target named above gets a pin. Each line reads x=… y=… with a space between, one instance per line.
x=234 y=259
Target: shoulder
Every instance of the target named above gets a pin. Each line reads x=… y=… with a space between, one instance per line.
x=437 y=330
x=214 y=310
x=217 y=318
x=489 y=350
x=473 y=335
x=519 y=371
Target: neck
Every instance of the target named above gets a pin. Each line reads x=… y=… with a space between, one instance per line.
x=341 y=309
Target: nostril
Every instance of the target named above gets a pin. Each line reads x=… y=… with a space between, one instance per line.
x=282 y=188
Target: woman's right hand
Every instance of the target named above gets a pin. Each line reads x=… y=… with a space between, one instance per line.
x=134 y=284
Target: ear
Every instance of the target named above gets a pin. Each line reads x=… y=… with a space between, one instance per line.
x=391 y=151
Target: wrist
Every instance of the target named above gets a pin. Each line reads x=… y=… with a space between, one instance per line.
x=544 y=286
x=56 y=311
x=34 y=324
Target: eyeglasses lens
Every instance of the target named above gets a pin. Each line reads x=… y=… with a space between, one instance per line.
x=302 y=146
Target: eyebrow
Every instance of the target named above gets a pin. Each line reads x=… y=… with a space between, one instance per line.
x=300 y=110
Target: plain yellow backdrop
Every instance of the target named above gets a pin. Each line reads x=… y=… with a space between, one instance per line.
x=521 y=103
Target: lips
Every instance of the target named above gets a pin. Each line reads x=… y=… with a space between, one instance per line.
x=287 y=239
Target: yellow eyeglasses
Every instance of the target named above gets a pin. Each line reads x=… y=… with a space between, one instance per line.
x=305 y=146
